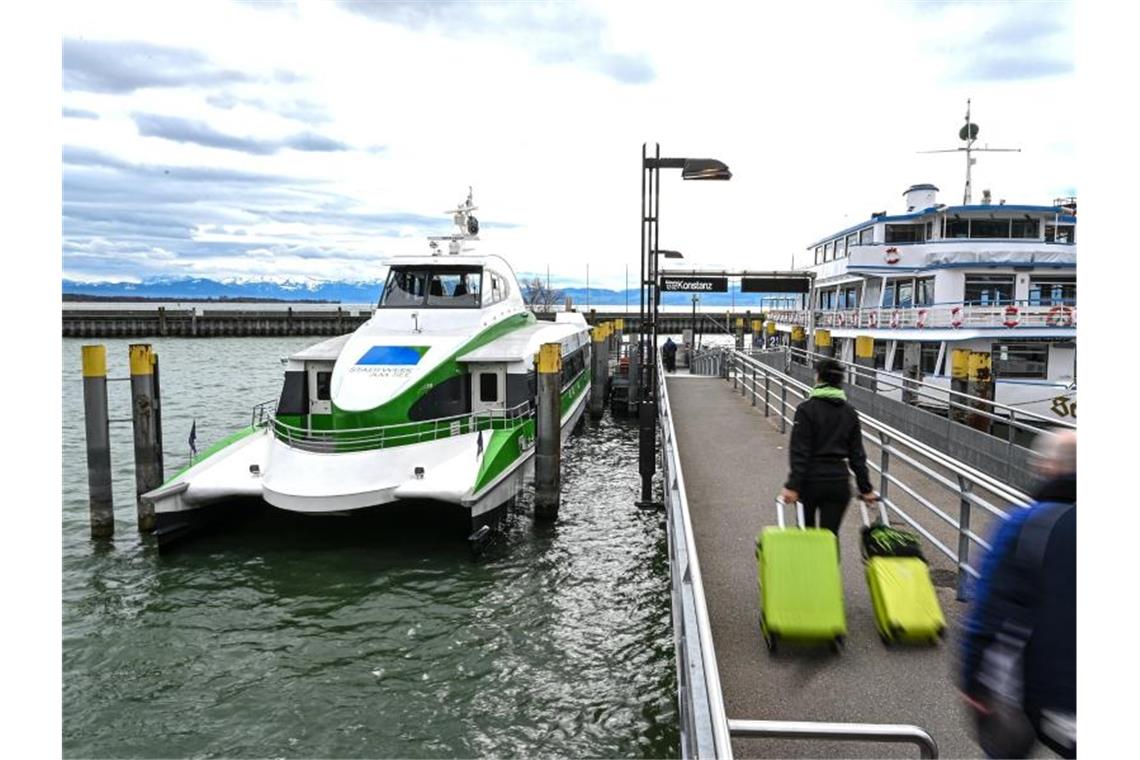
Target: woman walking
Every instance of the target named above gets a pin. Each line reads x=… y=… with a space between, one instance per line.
x=826 y=437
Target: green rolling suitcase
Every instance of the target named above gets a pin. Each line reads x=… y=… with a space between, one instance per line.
x=902 y=594
x=801 y=592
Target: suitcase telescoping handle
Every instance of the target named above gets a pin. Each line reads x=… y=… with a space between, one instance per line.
x=882 y=511
x=780 y=512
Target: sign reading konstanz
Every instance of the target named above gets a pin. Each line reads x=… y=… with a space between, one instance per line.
x=695 y=284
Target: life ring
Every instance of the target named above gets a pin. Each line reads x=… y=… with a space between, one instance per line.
x=873 y=319
x=895 y=318
x=1060 y=316
x=1012 y=318
x=956 y=317
x=891 y=255
x=920 y=321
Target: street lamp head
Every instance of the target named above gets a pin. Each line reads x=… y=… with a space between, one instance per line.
x=705 y=168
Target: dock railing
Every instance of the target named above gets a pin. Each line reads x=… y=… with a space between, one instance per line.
x=706 y=730
x=1011 y=315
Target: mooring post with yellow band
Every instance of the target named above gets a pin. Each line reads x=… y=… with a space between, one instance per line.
x=865 y=361
x=981 y=386
x=98 y=428
x=799 y=343
x=548 y=432
x=144 y=416
x=823 y=344
x=959 y=382
x=598 y=366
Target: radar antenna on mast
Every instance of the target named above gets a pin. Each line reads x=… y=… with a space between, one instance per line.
x=466 y=226
x=969 y=133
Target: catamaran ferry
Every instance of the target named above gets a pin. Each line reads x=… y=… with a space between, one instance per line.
x=994 y=277
x=431 y=400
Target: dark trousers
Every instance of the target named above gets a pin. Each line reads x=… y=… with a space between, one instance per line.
x=828 y=498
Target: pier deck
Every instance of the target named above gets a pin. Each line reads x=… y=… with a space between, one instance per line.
x=734 y=462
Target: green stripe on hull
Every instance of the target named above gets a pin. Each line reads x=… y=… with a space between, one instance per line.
x=214 y=448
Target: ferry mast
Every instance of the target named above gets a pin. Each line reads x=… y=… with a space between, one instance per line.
x=969 y=133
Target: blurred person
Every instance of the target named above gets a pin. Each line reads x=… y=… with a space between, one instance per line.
x=826 y=438
x=1019 y=651
x=669 y=355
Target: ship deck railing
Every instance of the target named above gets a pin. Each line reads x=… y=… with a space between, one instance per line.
x=344 y=440
x=1011 y=315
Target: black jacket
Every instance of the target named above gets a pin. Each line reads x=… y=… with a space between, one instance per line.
x=825 y=433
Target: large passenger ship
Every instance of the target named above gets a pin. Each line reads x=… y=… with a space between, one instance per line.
x=431 y=400
x=992 y=276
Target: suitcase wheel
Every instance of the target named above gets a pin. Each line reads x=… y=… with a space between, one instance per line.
x=837 y=644
x=886 y=639
x=770 y=640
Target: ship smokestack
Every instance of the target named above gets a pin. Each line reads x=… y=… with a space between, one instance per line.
x=920 y=197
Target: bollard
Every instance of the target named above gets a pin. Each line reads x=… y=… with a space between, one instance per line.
x=770 y=332
x=547 y=432
x=799 y=342
x=739 y=335
x=598 y=372
x=981 y=386
x=865 y=361
x=100 y=497
x=912 y=371
x=634 y=379
x=148 y=448
x=823 y=344
x=959 y=382
x=757 y=333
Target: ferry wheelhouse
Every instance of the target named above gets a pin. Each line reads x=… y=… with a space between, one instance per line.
x=431 y=400
x=992 y=277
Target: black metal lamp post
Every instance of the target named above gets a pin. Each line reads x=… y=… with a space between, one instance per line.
x=651 y=166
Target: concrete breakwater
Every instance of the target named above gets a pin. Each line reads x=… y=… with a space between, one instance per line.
x=266 y=320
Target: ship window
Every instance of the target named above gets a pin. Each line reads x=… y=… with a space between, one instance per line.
x=1024 y=228
x=866 y=235
x=851 y=240
x=827 y=251
x=1028 y=360
x=324 y=380
x=989 y=228
x=928 y=359
x=956 y=228
x=880 y=354
x=1064 y=233
x=819 y=254
x=989 y=290
x=889 y=295
x=924 y=291
x=905 y=294
x=905 y=233
x=1053 y=291
x=488 y=386
x=294 y=394
x=432 y=287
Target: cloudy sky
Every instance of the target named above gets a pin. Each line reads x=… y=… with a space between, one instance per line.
x=307 y=140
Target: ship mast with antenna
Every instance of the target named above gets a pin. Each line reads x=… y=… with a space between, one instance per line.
x=969 y=133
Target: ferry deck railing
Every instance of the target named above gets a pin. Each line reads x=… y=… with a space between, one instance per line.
x=706 y=731
x=1011 y=315
x=933 y=395
x=343 y=440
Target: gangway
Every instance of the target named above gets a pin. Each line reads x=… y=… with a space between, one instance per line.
x=723 y=434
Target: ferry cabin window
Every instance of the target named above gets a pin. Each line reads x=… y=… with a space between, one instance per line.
x=488 y=386
x=928 y=359
x=955 y=228
x=989 y=289
x=989 y=228
x=827 y=252
x=1025 y=360
x=889 y=295
x=819 y=254
x=924 y=291
x=851 y=241
x=905 y=233
x=432 y=287
x=1053 y=291
x=866 y=235
x=1025 y=228
x=324 y=381
x=904 y=294
x=1064 y=233
x=880 y=354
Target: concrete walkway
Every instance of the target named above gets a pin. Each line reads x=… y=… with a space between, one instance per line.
x=735 y=462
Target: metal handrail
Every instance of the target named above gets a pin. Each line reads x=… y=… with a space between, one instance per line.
x=893 y=443
x=675 y=493
x=866 y=732
x=935 y=316
x=931 y=391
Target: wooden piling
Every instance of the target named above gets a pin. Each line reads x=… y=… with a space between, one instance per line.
x=148 y=446
x=598 y=365
x=548 y=434
x=98 y=428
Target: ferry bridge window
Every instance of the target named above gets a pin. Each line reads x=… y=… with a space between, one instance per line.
x=432 y=287
x=956 y=228
x=988 y=289
x=989 y=228
x=1026 y=360
x=866 y=235
x=405 y=288
x=1025 y=228
x=450 y=288
x=905 y=233
x=1053 y=291
x=1064 y=233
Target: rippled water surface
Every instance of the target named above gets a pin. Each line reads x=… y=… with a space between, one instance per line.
x=377 y=640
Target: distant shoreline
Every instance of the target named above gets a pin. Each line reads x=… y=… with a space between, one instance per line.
x=84 y=297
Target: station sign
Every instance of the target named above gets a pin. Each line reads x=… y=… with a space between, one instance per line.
x=775 y=285
x=694 y=284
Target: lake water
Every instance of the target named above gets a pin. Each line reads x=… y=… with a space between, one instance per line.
x=385 y=641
